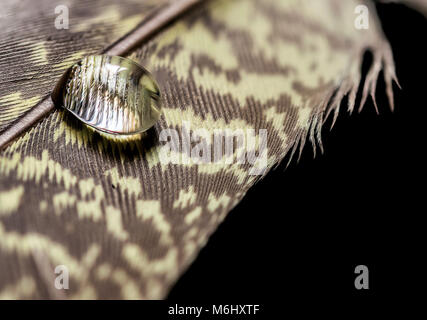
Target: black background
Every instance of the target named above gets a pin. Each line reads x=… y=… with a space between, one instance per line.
x=302 y=230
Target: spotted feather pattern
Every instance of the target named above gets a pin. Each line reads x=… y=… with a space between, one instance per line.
x=124 y=223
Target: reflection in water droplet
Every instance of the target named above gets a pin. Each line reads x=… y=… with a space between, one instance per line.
x=113 y=95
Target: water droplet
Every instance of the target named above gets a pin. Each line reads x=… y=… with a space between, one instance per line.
x=111 y=94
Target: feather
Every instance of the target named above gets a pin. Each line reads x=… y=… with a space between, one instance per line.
x=126 y=220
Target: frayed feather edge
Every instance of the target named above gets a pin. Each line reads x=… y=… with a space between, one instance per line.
x=349 y=86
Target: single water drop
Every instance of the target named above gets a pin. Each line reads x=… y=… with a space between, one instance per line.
x=111 y=94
